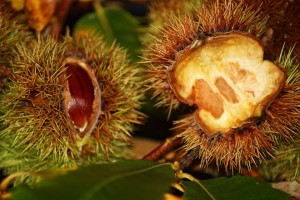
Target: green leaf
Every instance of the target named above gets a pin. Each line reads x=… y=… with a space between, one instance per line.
x=117 y=25
x=237 y=187
x=135 y=179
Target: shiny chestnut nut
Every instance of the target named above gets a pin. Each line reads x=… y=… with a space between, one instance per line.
x=82 y=96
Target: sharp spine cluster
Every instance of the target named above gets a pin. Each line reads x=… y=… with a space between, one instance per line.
x=255 y=141
x=37 y=132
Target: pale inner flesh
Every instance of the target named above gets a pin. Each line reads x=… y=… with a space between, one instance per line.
x=228 y=80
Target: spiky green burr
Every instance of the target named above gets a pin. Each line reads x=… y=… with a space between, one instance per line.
x=12 y=31
x=38 y=130
x=285 y=163
x=171 y=56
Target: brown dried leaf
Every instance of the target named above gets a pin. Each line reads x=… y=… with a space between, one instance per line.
x=292 y=188
x=17 y=4
x=142 y=146
x=39 y=13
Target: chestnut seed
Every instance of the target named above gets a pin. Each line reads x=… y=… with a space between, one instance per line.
x=228 y=80
x=82 y=96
